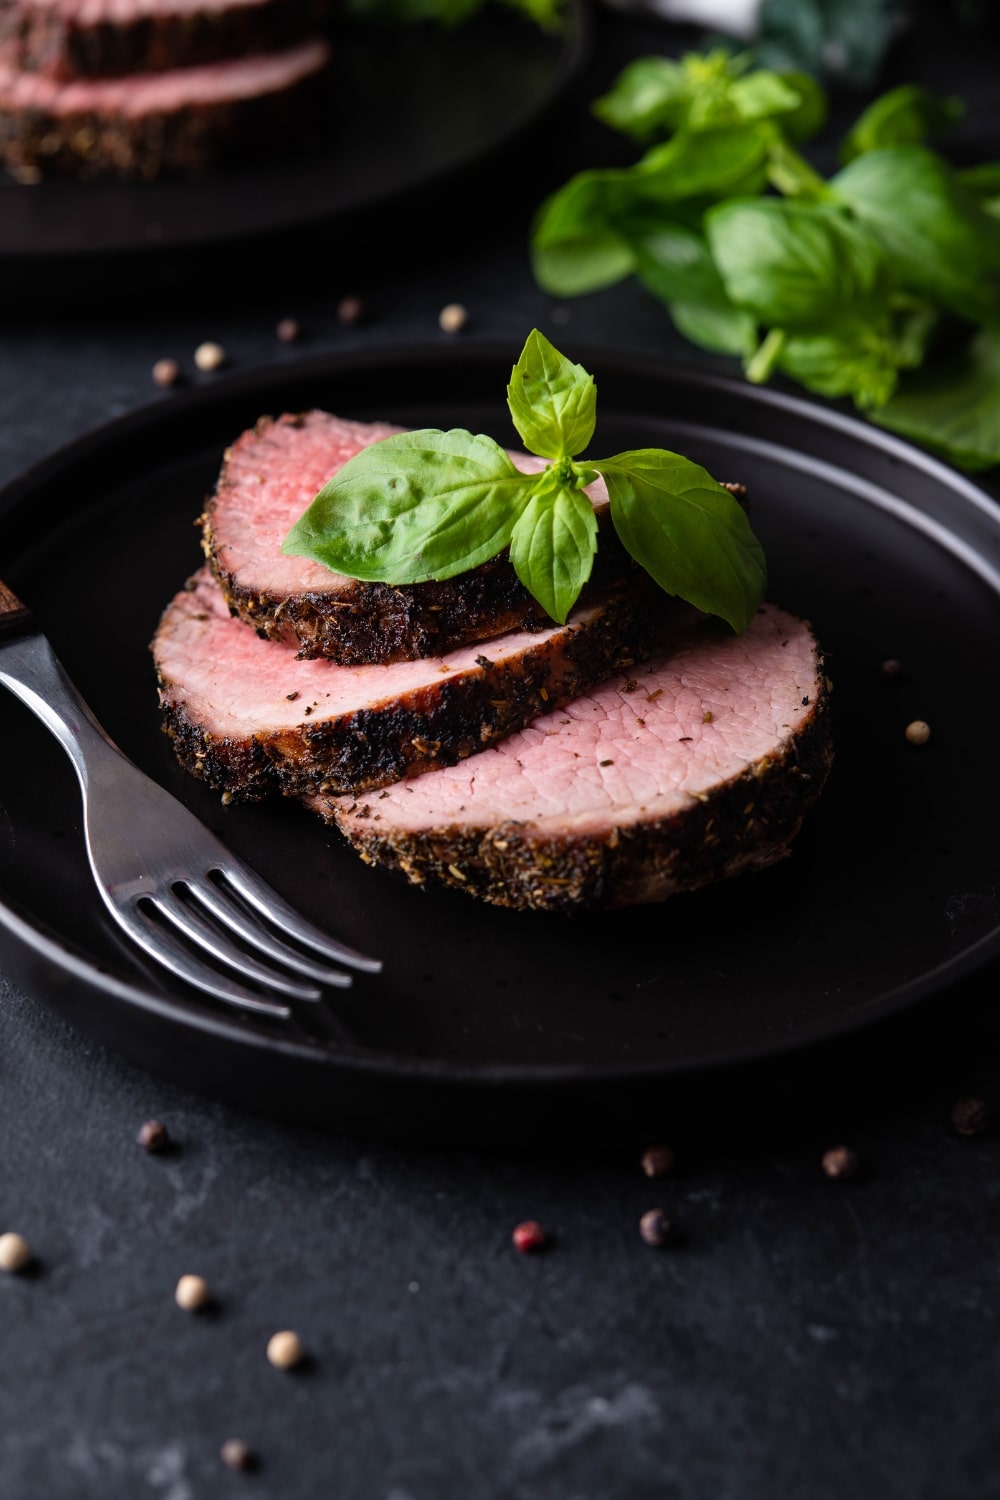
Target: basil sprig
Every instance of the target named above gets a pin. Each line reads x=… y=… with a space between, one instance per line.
x=429 y=505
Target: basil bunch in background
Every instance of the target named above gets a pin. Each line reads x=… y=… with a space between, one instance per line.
x=848 y=285
x=430 y=505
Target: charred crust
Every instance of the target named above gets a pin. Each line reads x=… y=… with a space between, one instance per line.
x=745 y=824
x=436 y=725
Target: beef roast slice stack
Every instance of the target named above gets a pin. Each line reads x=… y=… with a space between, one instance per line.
x=143 y=124
x=270 y=475
x=249 y=716
x=699 y=764
x=68 y=39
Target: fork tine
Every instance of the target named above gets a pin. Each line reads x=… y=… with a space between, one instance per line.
x=219 y=902
x=267 y=901
x=197 y=930
x=160 y=945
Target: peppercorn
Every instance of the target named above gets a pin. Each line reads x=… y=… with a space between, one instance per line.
x=841 y=1163
x=153 y=1136
x=15 y=1252
x=166 y=372
x=288 y=330
x=453 y=318
x=236 y=1454
x=351 y=310
x=657 y=1161
x=655 y=1228
x=529 y=1236
x=284 y=1350
x=918 y=733
x=192 y=1293
x=970 y=1116
x=209 y=356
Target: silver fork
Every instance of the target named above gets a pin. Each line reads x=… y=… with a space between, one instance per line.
x=165 y=878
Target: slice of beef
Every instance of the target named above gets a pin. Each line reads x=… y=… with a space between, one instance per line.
x=250 y=717
x=69 y=39
x=146 y=124
x=270 y=475
x=699 y=764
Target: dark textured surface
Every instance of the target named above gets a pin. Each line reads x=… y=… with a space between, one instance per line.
x=807 y=1339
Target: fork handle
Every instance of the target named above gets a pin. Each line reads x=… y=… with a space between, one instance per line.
x=30 y=669
x=14 y=616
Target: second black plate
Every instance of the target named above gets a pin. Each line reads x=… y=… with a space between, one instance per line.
x=406 y=109
x=888 y=896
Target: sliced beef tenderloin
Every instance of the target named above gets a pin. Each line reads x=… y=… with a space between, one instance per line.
x=269 y=477
x=250 y=717
x=145 y=124
x=699 y=764
x=69 y=39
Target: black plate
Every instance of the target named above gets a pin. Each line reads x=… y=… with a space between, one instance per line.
x=407 y=108
x=484 y=1019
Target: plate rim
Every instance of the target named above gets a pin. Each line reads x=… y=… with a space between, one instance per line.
x=177 y=1012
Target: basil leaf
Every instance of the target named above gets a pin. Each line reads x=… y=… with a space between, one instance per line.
x=791 y=263
x=652 y=96
x=809 y=115
x=581 y=237
x=552 y=401
x=762 y=95
x=938 y=240
x=686 y=531
x=955 y=408
x=983 y=182
x=552 y=547
x=576 y=244
x=905 y=116
x=710 y=164
x=855 y=360
x=723 y=329
x=415 y=506
x=673 y=262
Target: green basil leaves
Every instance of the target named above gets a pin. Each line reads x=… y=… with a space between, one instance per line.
x=430 y=504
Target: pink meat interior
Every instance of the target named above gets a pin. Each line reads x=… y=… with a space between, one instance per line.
x=228 y=678
x=140 y=94
x=273 y=475
x=697 y=716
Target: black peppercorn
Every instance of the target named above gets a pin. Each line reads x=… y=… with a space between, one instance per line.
x=970 y=1116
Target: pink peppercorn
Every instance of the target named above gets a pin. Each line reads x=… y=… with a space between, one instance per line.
x=529 y=1236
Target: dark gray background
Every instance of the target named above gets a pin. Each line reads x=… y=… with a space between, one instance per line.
x=807 y=1339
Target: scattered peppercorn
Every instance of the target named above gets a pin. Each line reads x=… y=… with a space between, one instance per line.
x=284 y=1350
x=209 y=356
x=192 y=1293
x=655 y=1228
x=351 y=310
x=236 y=1454
x=453 y=318
x=153 y=1136
x=657 y=1161
x=288 y=330
x=15 y=1252
x=166 y=372
x=841 y=1163
x=529 y=1236
x=970 y=1116
x=891 y=667
x=918 y=733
